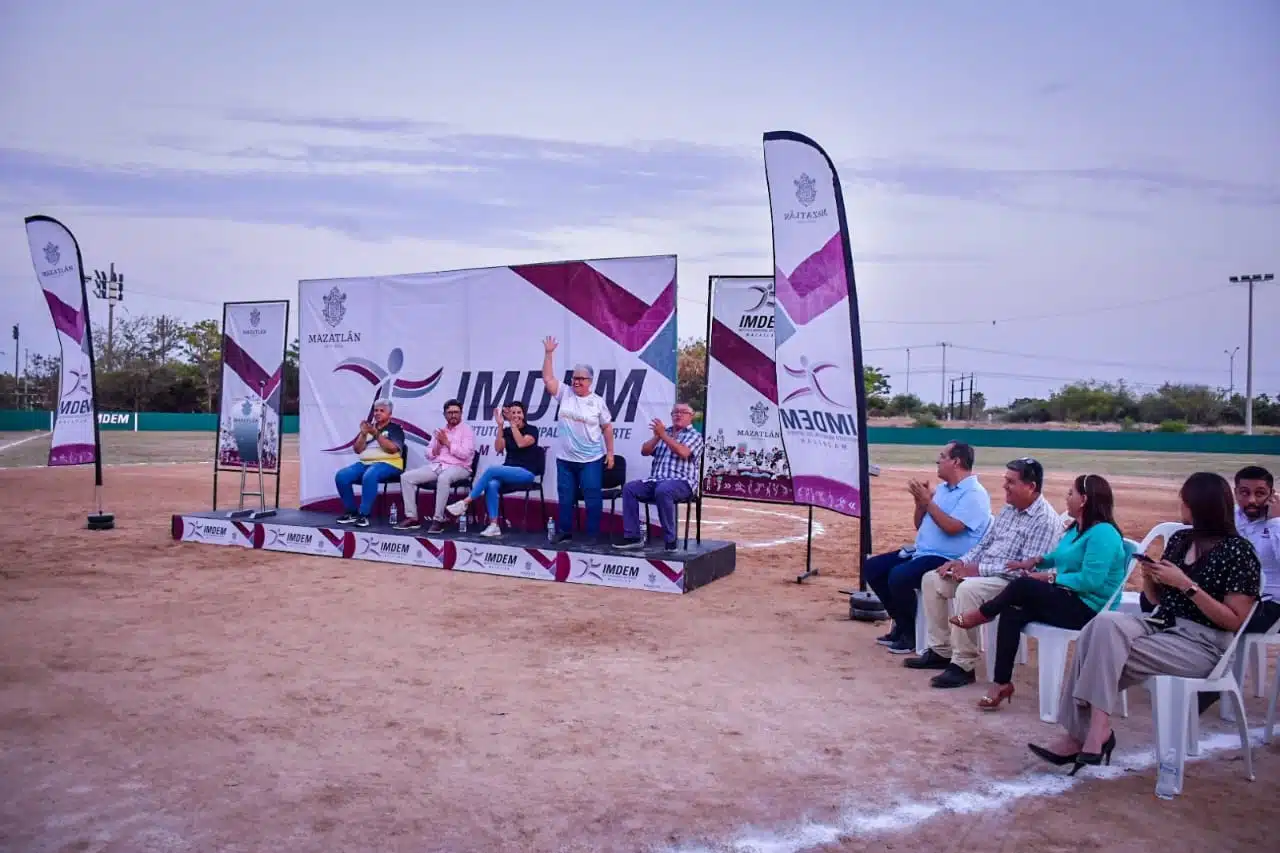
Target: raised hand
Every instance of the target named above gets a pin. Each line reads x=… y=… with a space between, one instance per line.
x=659 y=429
x=549 y=344
x=497 y=417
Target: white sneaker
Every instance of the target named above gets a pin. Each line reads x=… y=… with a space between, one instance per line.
x=457 y=508
x=492 y=530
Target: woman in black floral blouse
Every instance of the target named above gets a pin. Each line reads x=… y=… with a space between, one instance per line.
x=1205 y=587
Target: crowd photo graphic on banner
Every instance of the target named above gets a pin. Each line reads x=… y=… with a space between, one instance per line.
x=477 y=336
x=818 y=352
x=745 y=458
x=253 y=349
x=59 y=269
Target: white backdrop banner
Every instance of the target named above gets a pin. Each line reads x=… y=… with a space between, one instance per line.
x=476 y=336
x=59 y=269
x=745 y=457
x=253 y=345
x=817 y=350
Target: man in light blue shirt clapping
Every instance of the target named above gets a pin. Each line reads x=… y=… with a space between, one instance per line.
x=949 y=521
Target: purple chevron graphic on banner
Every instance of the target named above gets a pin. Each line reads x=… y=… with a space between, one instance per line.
x=610 y=308
x=243 y=365
x=747 y=363
x=66 y=319
x=815 y=285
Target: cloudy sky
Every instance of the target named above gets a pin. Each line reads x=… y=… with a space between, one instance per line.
x=1086 y=175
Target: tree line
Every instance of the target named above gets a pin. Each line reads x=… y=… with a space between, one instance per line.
x=158 y=363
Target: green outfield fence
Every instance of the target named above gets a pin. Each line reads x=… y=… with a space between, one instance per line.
x=1030 y=439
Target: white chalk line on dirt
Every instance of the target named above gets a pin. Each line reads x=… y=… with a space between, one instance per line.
x=818 y=528
x=4 y=447
x=991 y=796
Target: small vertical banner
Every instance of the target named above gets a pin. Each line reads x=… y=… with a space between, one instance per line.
x=253 y=350
x=744 y=454
x=59 y=270
x=817 y=345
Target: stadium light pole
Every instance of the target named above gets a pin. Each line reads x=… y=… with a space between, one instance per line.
x=111 y=288
x=1250 y=280
x=1231 y=370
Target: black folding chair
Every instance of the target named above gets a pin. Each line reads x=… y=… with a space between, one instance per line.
x=464 y=484
x=611 y=482
x=527 y=488
x=694 y=503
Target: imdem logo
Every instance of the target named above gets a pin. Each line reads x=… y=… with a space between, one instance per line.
x=822 y=425
x=759 y=317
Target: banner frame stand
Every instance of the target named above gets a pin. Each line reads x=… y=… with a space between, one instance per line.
x=706 y=372
x=217 y=437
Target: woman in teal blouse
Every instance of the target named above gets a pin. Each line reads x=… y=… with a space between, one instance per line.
x=1077 y=579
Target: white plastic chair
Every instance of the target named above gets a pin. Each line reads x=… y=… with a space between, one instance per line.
x=1053 y=643
x=1255 y=644
x=922 y=629
x=1271 y=708
x=1176 y=717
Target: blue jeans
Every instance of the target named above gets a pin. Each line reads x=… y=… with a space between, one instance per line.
x=490 y=484
x=664 y=493
x=895 y=580
x=570 y=476
x=368 y=476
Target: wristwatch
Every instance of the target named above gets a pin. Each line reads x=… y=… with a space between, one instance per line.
x=1190 y=592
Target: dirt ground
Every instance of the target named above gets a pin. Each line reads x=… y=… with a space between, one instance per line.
x=156 y=696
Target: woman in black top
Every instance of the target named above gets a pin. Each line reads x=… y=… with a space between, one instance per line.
x=1205 y=587
x=523 y=463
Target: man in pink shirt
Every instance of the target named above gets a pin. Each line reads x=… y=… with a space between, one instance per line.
x=448 y=461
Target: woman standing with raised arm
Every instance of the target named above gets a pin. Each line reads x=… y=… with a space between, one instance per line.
x=585 y=445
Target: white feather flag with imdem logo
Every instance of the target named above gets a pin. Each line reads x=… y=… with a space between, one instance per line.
x=56 y=257
x=817 y=347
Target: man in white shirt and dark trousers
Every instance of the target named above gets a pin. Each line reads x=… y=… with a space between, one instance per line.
x=1258 y=520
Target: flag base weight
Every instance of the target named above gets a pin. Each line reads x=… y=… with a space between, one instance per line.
x=102 y=521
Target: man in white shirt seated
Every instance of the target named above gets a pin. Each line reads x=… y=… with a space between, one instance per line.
x=1258 y=520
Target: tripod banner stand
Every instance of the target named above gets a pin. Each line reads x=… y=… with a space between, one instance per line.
x=249 y=406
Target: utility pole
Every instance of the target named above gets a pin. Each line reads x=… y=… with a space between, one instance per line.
x=111 y=288
x=908 y=391
x=17 y=345
x=1231 y=367
x=943 y=401
x=1250 y=280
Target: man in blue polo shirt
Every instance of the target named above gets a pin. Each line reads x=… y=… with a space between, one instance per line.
x=949 y=521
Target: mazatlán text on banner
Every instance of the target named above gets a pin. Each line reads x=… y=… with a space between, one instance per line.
x=818 y=354
x=253 y=345
x=744 y=454
x=56 y=257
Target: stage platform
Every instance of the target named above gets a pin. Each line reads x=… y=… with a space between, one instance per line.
x=514 y=554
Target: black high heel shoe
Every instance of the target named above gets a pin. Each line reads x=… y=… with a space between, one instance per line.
x=1052 y=757
x=1093 y=759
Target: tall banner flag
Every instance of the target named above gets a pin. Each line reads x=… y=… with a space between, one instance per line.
x=744 y=454
x=818 y=350
x=60 y=271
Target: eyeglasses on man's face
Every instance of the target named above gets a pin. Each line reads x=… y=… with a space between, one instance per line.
x=582 y=379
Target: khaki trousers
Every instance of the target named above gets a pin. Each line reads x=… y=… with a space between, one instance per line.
x=443 y=476
x=1118 y=650
x=971 y=593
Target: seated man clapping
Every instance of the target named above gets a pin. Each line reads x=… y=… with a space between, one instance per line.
x=673 y=477
x=448 y=460
x=381 y=448
x=523 y=463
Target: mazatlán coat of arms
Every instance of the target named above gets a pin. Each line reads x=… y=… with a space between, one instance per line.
x=335 y=306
